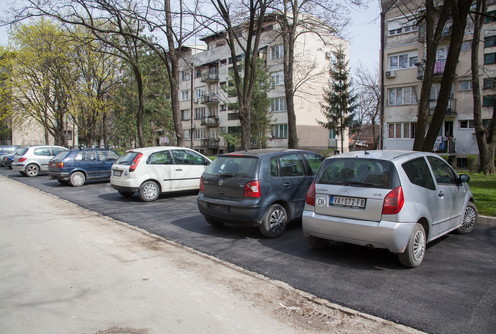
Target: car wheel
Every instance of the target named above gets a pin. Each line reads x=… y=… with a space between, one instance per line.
x=149 y=191
x=415 y=250
x=63 y=181
x=469 y=219
x=274 y=221
x=32 y=170
x=126 y=194
x=77 y=179
x=214 y=222
x=317 y=242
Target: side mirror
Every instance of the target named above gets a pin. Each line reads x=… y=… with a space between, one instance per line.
x=463 y=178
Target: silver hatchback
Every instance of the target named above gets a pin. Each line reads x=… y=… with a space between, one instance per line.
x=398 y=200
x=33 y=160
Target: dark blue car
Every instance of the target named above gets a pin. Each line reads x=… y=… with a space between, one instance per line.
x=77 y=166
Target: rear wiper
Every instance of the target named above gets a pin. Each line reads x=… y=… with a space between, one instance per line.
x=356 y=183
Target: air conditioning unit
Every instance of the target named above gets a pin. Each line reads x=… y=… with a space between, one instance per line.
x=391 y=74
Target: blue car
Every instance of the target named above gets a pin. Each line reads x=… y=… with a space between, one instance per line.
x=7 y=151
x=77 y=166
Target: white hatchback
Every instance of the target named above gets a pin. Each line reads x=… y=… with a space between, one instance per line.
x=151 y=171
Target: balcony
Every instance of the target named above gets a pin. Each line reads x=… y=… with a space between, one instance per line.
x=450 y=112
x=210 y=121
x=210 y=143
x=210 y=99
x=439 y=67
x=210 y=76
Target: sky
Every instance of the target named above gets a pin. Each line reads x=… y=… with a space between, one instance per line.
x=364 y=35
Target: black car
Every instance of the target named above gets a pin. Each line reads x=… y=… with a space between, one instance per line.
x=76 y=166
x=7 y=151
x=264 y=188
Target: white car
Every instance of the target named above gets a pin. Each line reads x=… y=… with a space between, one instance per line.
x=396 y=200
x=33 y=160
x=151 y=171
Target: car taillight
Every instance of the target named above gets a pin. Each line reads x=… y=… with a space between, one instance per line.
x=202 y=185
x=22 y=159
x=252 y=189
x=310 y=199
x=135 y=162
x=393 y=202
x=57 y=164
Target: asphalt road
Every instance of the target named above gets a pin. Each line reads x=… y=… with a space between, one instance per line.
x=453 y=291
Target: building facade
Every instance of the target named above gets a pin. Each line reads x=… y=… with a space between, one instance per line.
x=402 y=56
x=204 y=100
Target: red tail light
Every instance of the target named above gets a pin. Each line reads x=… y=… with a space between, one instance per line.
x=310 y=199
x=252 y=189
x=202 y=185
x=58 y=164
x=22 y=159
x=135 y=162
x=393 y=202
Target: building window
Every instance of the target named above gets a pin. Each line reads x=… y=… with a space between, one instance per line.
x=232 y=116
x=199 y=92
x=187 y=134
x=402 y=96
x=467 y=124
x=185 y=75
x=200 y=133
x=402 y=61
x=489 y=41
x=401 y=130
x=279 y=131
x=199 y=113
x=489 y=58
x=489 y=83
x=277 y=52
x=278 y=105
x=465 y=85
x=185 y=95
x=490 y=16
x=277 y=78
x=395 y=28
x=466 y=46
x=185 y=115
x=488 y=100
x=222 y=107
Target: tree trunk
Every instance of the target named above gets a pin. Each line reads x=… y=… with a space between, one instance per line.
x=288 y=43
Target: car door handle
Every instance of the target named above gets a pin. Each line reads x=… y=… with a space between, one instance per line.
x=441 y=194
x=179 y=170
x=287 y=185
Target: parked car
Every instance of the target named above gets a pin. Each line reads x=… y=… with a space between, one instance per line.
x=6 y=150
x=264 y=188
x=77 y=166
x=398 y=200
x=33 y=160
x=151 y=171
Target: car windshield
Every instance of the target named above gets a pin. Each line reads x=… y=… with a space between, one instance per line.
x=233 y=166
x=357 y=172
x=127 y=159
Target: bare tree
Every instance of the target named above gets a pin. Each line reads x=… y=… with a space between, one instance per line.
x=486 y=136
x=369 y=100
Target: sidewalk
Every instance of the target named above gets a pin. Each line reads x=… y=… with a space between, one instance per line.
x=64 y=270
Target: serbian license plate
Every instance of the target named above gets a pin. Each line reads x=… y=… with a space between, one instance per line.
x=117 y=172
x=222 y=209
x=354 y=202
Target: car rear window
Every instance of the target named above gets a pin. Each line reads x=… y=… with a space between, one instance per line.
x=23 y=151
x=234 y=166
x=61 y=155
x=357 y=172
x=127 y=159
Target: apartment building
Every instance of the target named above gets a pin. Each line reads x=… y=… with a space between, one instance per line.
x=403 y=53
x=204 y=100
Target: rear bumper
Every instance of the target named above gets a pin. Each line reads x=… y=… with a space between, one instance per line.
x=236 y=213
x=18 y=167
x=58 y=176
x=124 y=188
x=393 y=236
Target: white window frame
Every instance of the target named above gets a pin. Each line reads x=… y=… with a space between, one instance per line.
x=185 y=114
x=401 y=61
x=465 y=85
x=276 y=52
x=400 y=96
x=277 y=78
x=279 y=131
x=278 y=105
x=185 y=95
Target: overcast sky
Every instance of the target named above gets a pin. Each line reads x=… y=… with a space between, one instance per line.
x=363 y=34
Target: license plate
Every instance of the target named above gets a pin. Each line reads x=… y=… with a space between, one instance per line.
x=117 y=172
x=222 y=209
x=347 y=201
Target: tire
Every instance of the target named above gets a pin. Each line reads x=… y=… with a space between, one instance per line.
x=77 y=179
x=415 y=250
x=214 y=222
x=274 y=221
x=469 y=219
x=317 y=242
x=149 y=191
x=32 y=170
x=126 y=194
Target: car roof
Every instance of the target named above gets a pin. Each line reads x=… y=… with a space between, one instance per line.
x=157 y=148
x=383 y=154
x=264 y=152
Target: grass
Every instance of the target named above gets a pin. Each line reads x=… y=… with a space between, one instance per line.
x=484 y=190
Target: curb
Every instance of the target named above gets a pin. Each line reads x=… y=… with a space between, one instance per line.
x=487 y=220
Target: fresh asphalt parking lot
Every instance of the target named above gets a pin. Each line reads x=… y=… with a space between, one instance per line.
x=453 y=291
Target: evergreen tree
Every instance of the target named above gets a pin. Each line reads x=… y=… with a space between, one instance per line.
x=339 y=103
